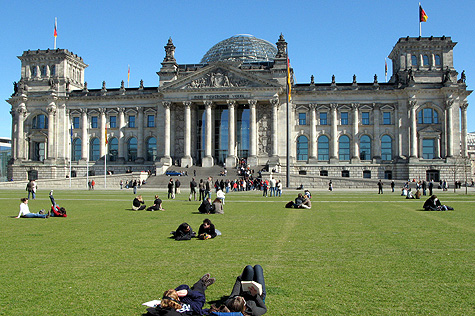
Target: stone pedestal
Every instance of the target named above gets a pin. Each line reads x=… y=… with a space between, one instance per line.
x=186 y=161
x=252 y=160
x=231 y=161
x=207 y=162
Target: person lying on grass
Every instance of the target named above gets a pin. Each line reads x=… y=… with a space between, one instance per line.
x=56 y=210
x=207 y=230
x=248 y=302
x=184 y=300
x=183 y=232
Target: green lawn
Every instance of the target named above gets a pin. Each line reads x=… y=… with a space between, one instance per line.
x=353 y=253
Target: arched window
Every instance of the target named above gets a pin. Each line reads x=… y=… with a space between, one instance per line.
x=437 y=60
x=344 y=148
x=52 y=70
x=113 y=149
x=95 y=149
x=365 y=147
x=43 y=71
x=386 y=148
x=151 y=149
x=323 y=148
x=428 y=116
x=40 y=122
x=33 y=71
x=414 y=60
x=77 y=149
x=425 y=60
x=302 y=148
x=132 y=149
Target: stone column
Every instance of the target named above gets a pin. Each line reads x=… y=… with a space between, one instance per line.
x=463 y=136
x=376 y=132
x=103 y=132
x=140 y=138
x=231 y=158
x=252 y=159
x=84 y=136
x=313 y=133
x=186 y=160
x=121 y=152
x=356 y=147
x=51 y=125
x=208 y=160
x=413 y=136
x=166 y=159
x=275 y=132
x=334 y=133
x=437 y=147
x=20 y=137
x=450 y=133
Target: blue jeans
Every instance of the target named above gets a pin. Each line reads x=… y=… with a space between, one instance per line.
x=255 y=273
x=33 y=195
x=35 y=215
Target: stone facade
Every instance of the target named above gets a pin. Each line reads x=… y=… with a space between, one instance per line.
x=414 y=126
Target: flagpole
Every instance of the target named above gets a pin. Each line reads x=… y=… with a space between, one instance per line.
x=287 y=165
x=105 y=162
x=70 y=158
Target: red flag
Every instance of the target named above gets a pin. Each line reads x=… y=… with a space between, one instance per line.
x=422 y=15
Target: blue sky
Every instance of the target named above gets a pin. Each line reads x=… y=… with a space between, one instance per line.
x=325 y=37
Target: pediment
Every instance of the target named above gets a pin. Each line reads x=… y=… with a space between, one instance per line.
x=429 y=130
x=220 y=76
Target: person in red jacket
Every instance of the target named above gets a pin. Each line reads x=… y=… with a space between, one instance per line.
x=56 y=210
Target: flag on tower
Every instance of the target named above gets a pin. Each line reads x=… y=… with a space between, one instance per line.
x=128 y=76
x=385 y=67
x=106 y=135
x=55 y=27
x=422 y=14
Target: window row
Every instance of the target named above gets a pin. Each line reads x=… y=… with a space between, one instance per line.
x=344 y=118
x=416 y=61
x=323 y=148
x=113 y=146
x=388 y=174
x=45 y=70
x=131 y=122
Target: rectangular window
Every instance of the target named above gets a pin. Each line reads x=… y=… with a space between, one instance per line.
x=113 y=121
x=428 y=149
x=302 y=119
x=132 y=121
x=76 y=122
x=94 y=122
x=344 y=118
x=151 y=121
x=365 y=118
x=387 y=118
x=323 y=118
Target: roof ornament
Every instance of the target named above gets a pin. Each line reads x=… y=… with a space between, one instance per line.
x=170 y=51
x=281 y=47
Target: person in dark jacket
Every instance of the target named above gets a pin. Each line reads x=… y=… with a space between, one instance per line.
x=184 y=300
x=183 y=232
x=171 y=186
x=253 y=301
x=205 y=206
x=207 y=230
x=157 y=205
x=193 y=186
x=138 y=204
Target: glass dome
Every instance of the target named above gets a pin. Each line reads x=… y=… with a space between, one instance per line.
x=245 y=48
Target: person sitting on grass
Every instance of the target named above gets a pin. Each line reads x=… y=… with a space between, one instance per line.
x=183 y=232
x=249 y=303
x=157 y=205
x=207 y=230
x=206 y=207
x=138 y=204
x=56 y=210
x=306 y=202
x=217 y=207
x=433 y=204
x=25 y=211
x=184 y=300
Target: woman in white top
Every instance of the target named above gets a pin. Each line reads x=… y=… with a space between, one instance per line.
x=220 y=195
x=25 y=211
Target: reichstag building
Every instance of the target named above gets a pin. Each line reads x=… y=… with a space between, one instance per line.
x=232 y=105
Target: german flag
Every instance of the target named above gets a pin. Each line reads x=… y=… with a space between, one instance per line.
x=288 y=78
x=55 y=28
x=422 y=15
